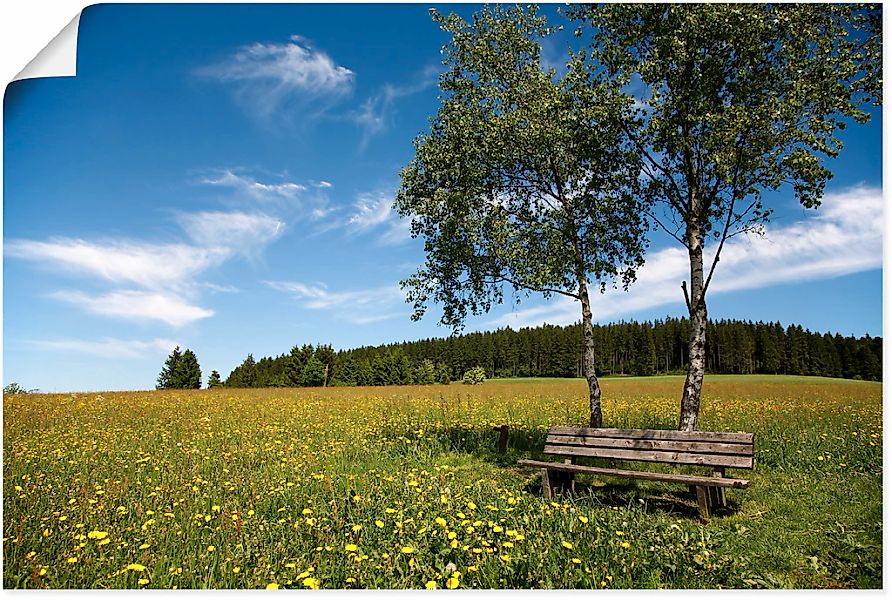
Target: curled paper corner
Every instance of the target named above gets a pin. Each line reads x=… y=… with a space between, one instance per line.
x=58 y=58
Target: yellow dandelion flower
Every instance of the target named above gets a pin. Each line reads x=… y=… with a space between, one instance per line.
x=351 y=548
x=407 y=549
x=440 y=521
x=272 y=586
x=307 y=511
x=567 y=545
x=72 y=559
x=142 y=581
x=135 y=567
x=211 y=548
x=103 y=542
x=452 y=583
x=497 y=528
x=431 y=585
x=312 y=583
x=357 y=528
x=42 y=571
x=583 y=518
x=97 y=535
x=471 y=505
x=236 y=570
x=379 y=524
x=575 y=561
x=625 y=544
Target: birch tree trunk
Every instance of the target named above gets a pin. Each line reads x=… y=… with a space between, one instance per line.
x=588 y=357
x=690 y=399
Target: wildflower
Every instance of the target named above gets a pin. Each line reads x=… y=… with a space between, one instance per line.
x=272 y=586
x=144 y=546
x=625 y=544
x=236 y=570
x=135 y=567
x=42 y=571
x=357 y=528
x=142 y=581
x=431 y=585
x=351 y=548
x=72 y=559
x=211 y=548
x=567 y=545
x=575 y=561
x=97 y=535
x=452 y=583
x=440 y=521
x=583 y=518
x=497 y=528
x=407 y=549
x=312 y=583
x=379 y=524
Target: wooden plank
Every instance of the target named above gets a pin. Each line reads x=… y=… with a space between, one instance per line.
x=647 y=475
x=677 y=458
x=703 y=501
x=656 y=434
x=648 y=444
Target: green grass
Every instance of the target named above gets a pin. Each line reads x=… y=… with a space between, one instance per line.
x=246 y=488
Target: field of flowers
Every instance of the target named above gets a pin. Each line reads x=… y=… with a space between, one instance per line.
x=403 y=488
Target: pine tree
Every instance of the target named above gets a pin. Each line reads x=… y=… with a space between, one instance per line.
x=166 y=378
x=214 y=380
x=313 y=374
x=187 y=374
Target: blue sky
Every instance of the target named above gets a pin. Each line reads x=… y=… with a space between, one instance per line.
x=220 y=177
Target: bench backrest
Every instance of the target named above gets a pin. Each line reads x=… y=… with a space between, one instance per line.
x=706 y=448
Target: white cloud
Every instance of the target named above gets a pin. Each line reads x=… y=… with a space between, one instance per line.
x=144 y=264
x=377 y=112
x=287 y=190
x=110 y=347
x=374 y=210
x=137 y=305
x=269 y=76
x=238 y=231
x=844 y=236
x=355 y=306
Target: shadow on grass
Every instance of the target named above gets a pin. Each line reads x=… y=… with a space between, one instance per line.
x=482 y=443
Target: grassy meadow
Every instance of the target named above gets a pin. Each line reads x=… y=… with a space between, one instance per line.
x=402 y=487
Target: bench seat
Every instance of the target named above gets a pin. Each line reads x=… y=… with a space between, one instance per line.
x=648 y=475
x=714 y=450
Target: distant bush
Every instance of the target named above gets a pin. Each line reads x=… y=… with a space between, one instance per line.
x=474 y=376
x=14 y=388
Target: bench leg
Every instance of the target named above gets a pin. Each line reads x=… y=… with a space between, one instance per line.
x=703 y=501
x=719 y=493
x=569 y=481
x=546 y=484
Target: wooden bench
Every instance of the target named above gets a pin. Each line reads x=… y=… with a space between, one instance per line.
x=716 y=450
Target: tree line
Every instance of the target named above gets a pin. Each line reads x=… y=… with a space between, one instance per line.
x=624 y=348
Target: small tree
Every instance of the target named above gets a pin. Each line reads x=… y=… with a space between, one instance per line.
x=15 y=388
x=187 y=374
x=425 y=372
x=443 y=376
x=167 y=378
x=474 y=376
x=739 y=99
x=214 y=380
x=313 y=374
x=525 y=180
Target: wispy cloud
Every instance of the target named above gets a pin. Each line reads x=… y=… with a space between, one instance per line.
x=109 y=347
x=270 y=76
x=137 y=305
x=236 y=231
x=377 y=112
x=844 y=236
x=374 y=211
x=255 y=189
x=144 y=264
x=355 y=306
